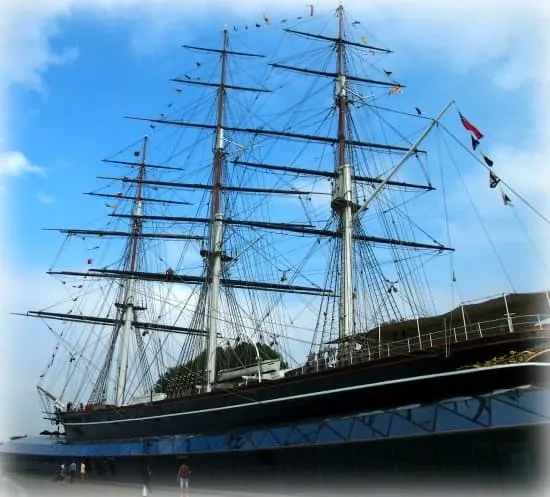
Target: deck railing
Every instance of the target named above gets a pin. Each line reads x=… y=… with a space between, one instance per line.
x=445 y=338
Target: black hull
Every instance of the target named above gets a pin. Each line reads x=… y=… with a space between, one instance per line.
x=367 y=386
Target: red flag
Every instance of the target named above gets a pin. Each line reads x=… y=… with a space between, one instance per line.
x=470 y=127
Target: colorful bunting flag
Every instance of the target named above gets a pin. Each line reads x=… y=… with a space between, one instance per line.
x=488 y=161
x=475 y=143
x=395 y=89
x=470 y=127
x=506 y=199
x=494 y=180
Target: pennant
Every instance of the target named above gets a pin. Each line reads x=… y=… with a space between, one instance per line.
x=355 y=23
x=488 y=161
x=266 y=19
x=310 y=9
x=364 y=40
x=89 y=261
x=418 y=111
x=475 y=143
x=506 y=199
x=136 y=154
x=470 y=127
x=494 y=180
x=388 y=73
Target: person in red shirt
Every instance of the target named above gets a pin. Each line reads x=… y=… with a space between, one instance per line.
x=183 y=477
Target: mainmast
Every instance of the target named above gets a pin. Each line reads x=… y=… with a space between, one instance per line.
x=127 y=306
x=342 y=202
x=216 y=226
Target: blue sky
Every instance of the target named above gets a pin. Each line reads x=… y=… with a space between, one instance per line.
x=75 y=68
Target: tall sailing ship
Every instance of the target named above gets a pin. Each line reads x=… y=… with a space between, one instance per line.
x=275 y=250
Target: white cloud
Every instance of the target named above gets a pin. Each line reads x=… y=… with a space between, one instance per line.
x=15 y=163
x=44 y=198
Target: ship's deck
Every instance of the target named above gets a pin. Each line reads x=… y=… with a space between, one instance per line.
x=369 y=350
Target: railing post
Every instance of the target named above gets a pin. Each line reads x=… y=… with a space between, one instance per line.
x=409 y=344
x=464 y=321
x=419 y=337
x=539 y=321
x=431 y=342
x=454 y=333
x=388 y=349
x=508 y=317
x=479 y=328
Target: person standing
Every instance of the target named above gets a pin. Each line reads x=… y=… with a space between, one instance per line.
x=72 y=471
x=183 y=478
x=82 y=470
x=146 y=480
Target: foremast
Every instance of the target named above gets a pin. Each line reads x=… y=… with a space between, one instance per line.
x=216 y=226
x=128 y=305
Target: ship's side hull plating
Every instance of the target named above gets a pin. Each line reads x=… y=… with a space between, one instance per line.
x=330 y=393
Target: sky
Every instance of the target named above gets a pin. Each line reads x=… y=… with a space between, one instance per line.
x=71 y=69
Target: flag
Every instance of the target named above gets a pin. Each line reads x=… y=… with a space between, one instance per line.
x=395 y=89
x=470 y=127
x=89 y=261
x=488 y=161
x=388 y=73
x=494 y=180
x=136 y=154
x=506 y=199
x=418 y=111
x=475 y=143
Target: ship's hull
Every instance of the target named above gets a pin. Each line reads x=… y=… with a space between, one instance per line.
x=367 y=386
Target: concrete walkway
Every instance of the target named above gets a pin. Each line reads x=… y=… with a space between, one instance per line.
x=16 y=485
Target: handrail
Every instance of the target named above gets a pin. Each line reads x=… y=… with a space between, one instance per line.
x=330 y=358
